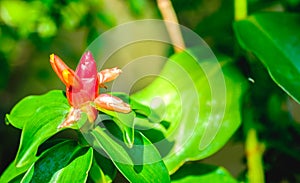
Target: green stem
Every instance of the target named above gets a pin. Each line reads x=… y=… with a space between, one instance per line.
x=254 y=154
x=240 y=9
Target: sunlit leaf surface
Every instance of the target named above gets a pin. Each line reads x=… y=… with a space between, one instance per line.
x=139 y=163
x=201 y=102
x=65 y=162
x=39 y=117
x=275 y=39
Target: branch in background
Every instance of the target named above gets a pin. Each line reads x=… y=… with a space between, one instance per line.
x=173 y=28
x=254 y=153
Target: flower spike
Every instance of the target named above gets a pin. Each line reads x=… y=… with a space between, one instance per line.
x=66 y=75
x=82 y=89
x=108 y=75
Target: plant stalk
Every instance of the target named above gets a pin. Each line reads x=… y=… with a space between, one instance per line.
x=254 y=154
x=166 y=9
x=240 y=9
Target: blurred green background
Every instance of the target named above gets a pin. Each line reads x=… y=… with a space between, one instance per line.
x=31 y=30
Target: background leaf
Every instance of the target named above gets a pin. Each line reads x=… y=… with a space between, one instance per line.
x=65 y=162
x=196 y=172
x=202 y=105
x=277 y=48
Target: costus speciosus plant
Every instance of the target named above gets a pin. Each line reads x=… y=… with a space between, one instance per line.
x=97 y=133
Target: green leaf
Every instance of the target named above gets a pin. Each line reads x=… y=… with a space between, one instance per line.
x=126 y=118
x=39 y=123
x=141 y=163
x=196 y=172
x=128 y=132
x=139 y=108
x=102 y=170
x=201 y=101
x=27 y=107
x=65 y=162
x=275 y=39
x=96 y=173
x=13 y=173
x=125 y=121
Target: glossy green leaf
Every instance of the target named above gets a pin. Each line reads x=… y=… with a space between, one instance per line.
x=275 y=39
x=125 y=122
x=196 y=172
x=65 y=162
x=13 y=173
x=141 y=163
x=200 y=100
x=126 y=118
x=41 y=122
x=153 y=131
x=96 y=174
x=128 y=132
x=27 y=107
x=139 y=108
x=102 y=170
